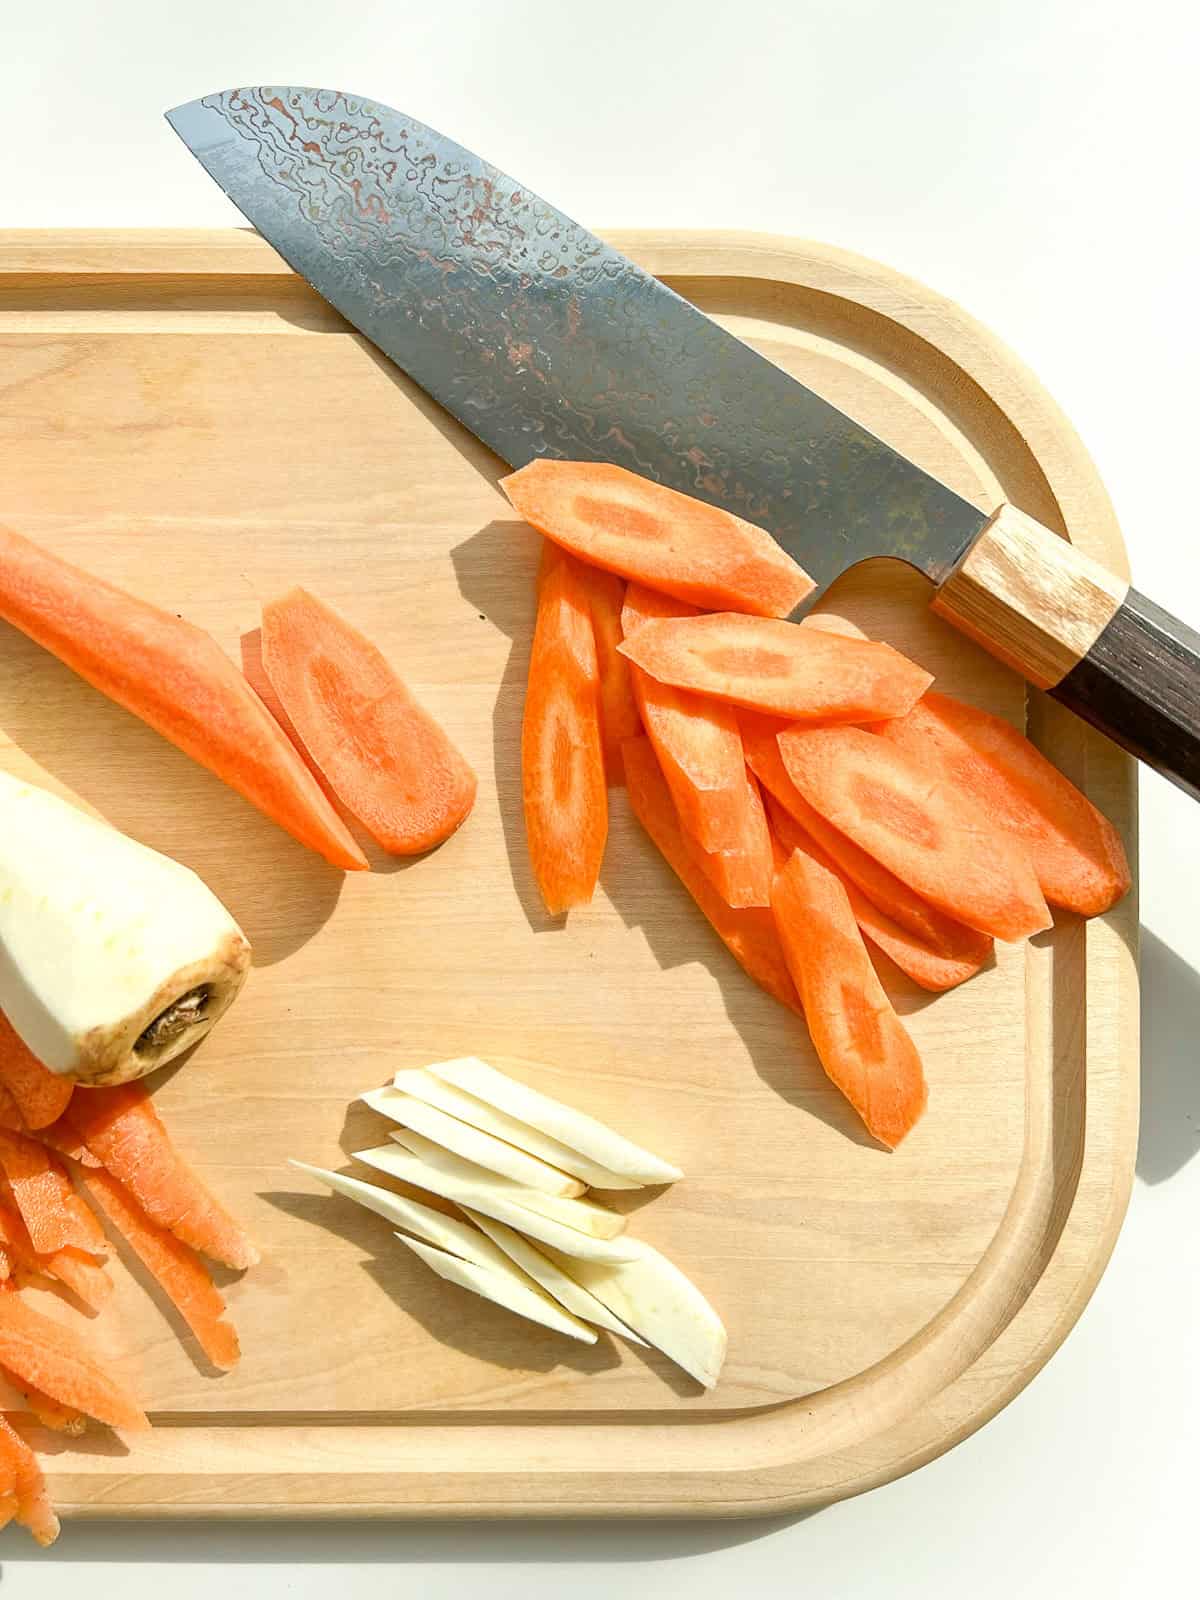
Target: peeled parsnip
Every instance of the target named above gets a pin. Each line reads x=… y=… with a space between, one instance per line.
x=113 y=958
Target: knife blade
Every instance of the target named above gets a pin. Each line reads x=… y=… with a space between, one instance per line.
x=545 y=341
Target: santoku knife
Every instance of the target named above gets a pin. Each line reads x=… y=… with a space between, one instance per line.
x=545 y=341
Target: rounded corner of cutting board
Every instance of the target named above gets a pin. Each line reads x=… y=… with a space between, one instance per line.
x=775 y=1459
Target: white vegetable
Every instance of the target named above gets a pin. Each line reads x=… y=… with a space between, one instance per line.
x=491 y=1196
x=113 y=958
x=505 y=1289
x=652 y=1295
x=457 y=1103
x=552 y=1278
x=472 y=1144
x=581 y=1214
x=562 y=1122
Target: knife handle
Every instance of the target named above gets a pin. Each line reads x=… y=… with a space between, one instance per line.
x=1072 y=628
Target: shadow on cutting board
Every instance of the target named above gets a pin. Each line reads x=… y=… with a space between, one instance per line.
x=1170 y=1119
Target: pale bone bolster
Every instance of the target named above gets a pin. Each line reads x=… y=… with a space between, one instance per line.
x=1029 y=597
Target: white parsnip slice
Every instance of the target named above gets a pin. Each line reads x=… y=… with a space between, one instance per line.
x=557 y=1283
x=491 y=1196
x=436 y=1091
x=582 y=1215
x=471 y=1143
x=504 y=1289
x=562 y=1122
x=655 y=1298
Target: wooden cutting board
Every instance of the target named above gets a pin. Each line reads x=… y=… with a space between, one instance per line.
x=181 y=415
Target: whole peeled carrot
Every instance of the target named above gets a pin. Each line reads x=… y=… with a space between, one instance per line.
x=175 y=678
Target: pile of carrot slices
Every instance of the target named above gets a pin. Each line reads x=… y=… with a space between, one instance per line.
x=830 y=813
x=108 y=1145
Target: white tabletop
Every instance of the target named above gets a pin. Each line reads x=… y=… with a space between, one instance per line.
x=1034 y=160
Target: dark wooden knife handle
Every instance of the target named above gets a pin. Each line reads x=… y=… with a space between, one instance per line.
x=1069 y=626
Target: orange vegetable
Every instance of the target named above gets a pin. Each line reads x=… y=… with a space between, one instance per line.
x=52 y=1358
x=922 y=963
x=23 y=1487
x=76 y=1270
x=860 y=1041
x=121 y=1127
x=40 y=1095
x=62 y=1138
x=749 y=935
x=178 y=1270
x=50 y=1209
x=50 y=1413
x=779 y=668
x=10 y=1117
x=383 y=756
x=174 y=677
x=562 y=761
x=1076 y=852
x=741 y=877
x=923 y=830
x=962 y=949
x=697 y=741
x=619 y=718
x=656 y=536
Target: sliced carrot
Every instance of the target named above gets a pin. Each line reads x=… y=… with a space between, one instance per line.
x=49 y=1412
x=921 y=828
x=10 y=1115
x=75 y=1270
x=383 y=755
x=697 y=741
x=619 y=715
x=177 y=1268
x=40 y=1095
x=52 y=1358
x=779 y=668
x=562 y=760
x=919 y=961
x=860 y=1041
x=656 y=536
x=174 y=677
x=741 y=877
x=963 y=949
x=62 y=1138
x=121 y=1127
x=749 y=935
x=20 y=1467
x=1076 y=852
x=50 y=1209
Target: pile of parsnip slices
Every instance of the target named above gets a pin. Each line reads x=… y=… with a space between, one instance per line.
x=517 y=1164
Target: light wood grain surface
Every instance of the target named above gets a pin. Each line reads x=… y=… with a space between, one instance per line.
x=181 y=415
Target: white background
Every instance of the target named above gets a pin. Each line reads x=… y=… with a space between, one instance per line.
x=1035 y=160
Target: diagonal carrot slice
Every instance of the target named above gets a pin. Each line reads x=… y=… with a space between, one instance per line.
x=627 y=524
x=742 y=877
x=20 y=1468
x=919 y=961
x=40 y=1095
x=777 y=667
x=860 y=1041
x=921 y=828
x=383 y=755
x=562 y=761
x=175 y=678
x=121 y=1127
x=964 y=949
x=178 y=1270
x=619 y=716
x=697 y=741
x=52 y=1358
x=1076 y=852
x=750 y=935
x=50 y=1209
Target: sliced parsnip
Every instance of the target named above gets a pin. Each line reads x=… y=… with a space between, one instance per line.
x=562 y=1122
x=448 y=1233
x=491 y=1197
x=654 y=1297
x=582 y=1215
x=468 y=1108
x=504 y=1288
x=472 y=1144
x=557 y=1283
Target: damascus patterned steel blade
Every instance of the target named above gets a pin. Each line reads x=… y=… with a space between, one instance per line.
x=543 y=340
